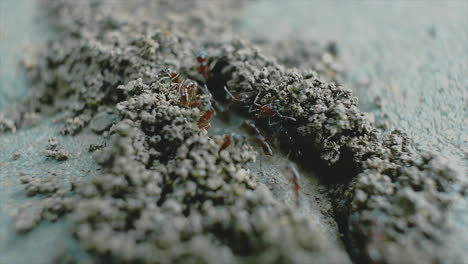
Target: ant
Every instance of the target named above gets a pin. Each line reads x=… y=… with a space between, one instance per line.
x=265 y=146
x=226 y=143
x=188 y=95
x=372 y=232
x=202 y=67
x=187 y=89
x=286 y=139
x=240 y=99
x=228 y=139
x=168 y=73
x=291 y=173
x=204 y=121
x=221 y=111
x=252 y=130
x=374 y=246
x=267 y=111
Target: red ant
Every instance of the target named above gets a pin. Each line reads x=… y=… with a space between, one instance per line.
x=265 y=146
x=226 y=143
x=252 y=130
x=228 y=139
x=221 y=111
x=238 y=139
x=188 y=95
x=202 y=67
x=267 y=111
x=204 y=121
x=170 y=74
x=291 y=173
x=187 y=90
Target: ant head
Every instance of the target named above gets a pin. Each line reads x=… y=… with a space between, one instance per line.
x=167 y=72
x=191 y=85
x=243 y=97
x=201 y=56
x=249 y=122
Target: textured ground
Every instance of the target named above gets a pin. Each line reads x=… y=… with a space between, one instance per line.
x=406 y=61
x=378 y=72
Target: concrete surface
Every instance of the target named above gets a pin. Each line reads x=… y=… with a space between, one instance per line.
x=21 y=30
x=413 y=55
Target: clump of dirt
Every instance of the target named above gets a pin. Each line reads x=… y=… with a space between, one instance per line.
x=393 y=185
x=16 y=156
x=54 y=202
x=167 y=194
x=6 y=124
x=305 y=55
x=54 y=152
x=193 y=202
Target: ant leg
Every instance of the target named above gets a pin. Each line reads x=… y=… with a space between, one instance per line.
x=256 y=99
x=212 y=66
x=206 y=91
x=239 y=140
x=274 y=123
x=255 y=103
x=163 y=79
x=287 y=117
x=229 y=93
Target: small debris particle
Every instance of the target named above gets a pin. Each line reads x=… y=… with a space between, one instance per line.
x=16 y=156
x=54 y=152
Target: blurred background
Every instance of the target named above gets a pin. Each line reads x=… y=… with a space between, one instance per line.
x=407 y=62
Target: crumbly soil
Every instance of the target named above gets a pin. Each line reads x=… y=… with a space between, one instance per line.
x=169 y=194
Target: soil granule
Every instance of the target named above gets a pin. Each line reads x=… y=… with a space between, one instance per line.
x=167 y=194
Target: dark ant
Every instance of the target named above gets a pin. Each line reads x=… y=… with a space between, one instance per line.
x=204 y=121
x=373 y=235
x=374 y=245
x=252 y=130
x=291 y=173
x=240 y=99
x=287 y=140
x=222 y=111
x=202 y=67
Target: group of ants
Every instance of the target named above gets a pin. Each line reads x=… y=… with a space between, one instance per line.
x=189 y=97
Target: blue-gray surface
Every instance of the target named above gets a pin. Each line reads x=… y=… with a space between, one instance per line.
x=411 y=54
x=21 y=29
x=45 y=242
